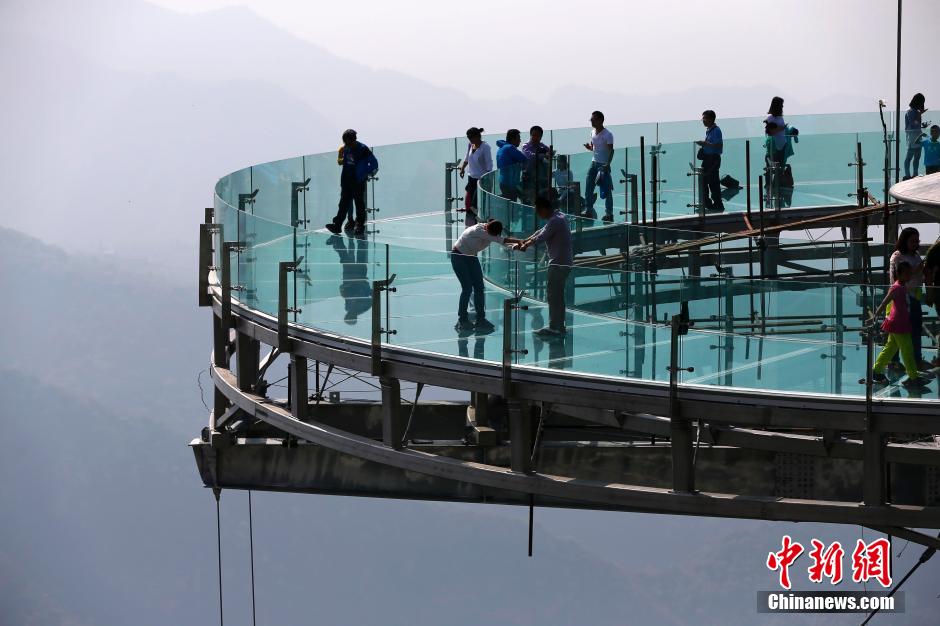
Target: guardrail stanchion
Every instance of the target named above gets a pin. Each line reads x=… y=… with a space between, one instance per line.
x=228 y=247
x=378 y=287
x=681 y=444
x=874 y=484
x=283 y=306
x=643 y=175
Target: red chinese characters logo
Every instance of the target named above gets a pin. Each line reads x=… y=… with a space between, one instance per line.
x=869 y=561
x=784 y=559
x=872 y=560
x=826 y=562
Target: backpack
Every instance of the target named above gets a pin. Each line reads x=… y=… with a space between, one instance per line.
x=730 y=182
x=786 y=177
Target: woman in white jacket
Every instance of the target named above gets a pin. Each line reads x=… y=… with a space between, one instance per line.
x=477 y=162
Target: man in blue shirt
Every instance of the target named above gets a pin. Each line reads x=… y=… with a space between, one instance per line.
x=358 y=164
x=510 y=161
x=710 y=155
x=556 y=235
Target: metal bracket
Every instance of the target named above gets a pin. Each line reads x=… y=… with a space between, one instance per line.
x=228 y=247
x=295 y=189
x=631 y=182
x=245 y=199
x=378 y=287
x=510 y=305
x=283 y=341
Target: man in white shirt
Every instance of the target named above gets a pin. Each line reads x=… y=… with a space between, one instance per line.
x=467 y=268
x=602 y=145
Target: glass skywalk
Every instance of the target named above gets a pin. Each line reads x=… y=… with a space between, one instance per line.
x=805 y=339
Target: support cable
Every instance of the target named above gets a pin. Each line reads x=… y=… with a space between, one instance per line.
x=218 y=534
x=251 y=551
x=924 y=557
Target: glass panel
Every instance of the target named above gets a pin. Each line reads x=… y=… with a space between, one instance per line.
x=784 y=334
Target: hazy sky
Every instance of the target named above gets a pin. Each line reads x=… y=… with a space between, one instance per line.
x=817 y=49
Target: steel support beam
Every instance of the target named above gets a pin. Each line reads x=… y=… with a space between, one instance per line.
x=680 y=429
x=299 y=393
x=520 y=436
x=393 y=427
x=247 y=357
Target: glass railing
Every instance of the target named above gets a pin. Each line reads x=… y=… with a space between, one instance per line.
x=785 y=334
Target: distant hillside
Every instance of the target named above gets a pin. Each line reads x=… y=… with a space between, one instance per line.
x=105 y=521
x=103 y=328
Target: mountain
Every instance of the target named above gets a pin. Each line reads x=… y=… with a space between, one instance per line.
x=126 y=114
x=105 y=516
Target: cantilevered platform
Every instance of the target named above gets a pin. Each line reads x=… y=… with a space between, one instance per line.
x=701 y=374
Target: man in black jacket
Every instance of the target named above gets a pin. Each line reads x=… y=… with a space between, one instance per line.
x=358 y=164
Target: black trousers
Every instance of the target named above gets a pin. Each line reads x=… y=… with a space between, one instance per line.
x=349 y=194
x=709 y=182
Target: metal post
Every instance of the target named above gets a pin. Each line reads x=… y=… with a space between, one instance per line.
x=747 y=174
x=219 y=359
x=228 y=247
x=298 y=389
x=840 y=336
x=520 y=437
x=861 y=191
x=283 y=307
x=247 y=353
x=509 y=306
x=209 y=215
x=654 y=184
x=205 y=262
x=392 y=425
x=897 y=114
x=376 y=328
x=761 y=243
x=873 y=449
x=379 y=286
x=643 y=175
x=683 y=475
x=296 y=188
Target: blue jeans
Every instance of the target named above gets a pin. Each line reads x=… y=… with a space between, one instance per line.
x=913 y=154
x=470 y=274
x=606 y=184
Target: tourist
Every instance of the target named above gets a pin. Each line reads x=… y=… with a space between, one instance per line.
x=932 y=282
x=898 y=327
x=466 y=265
x=931 y=146
x=710 y=154
x=538 y=166
x=358 y=165
x=556 y=235
x=906 y=251
x=914 y=131
x=509 y=162
x=602 y=145
x=477 y=162
x=776 y=129
x=562 y=180
x=534 y=146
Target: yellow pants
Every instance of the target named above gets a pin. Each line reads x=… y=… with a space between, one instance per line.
x=895 y=342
